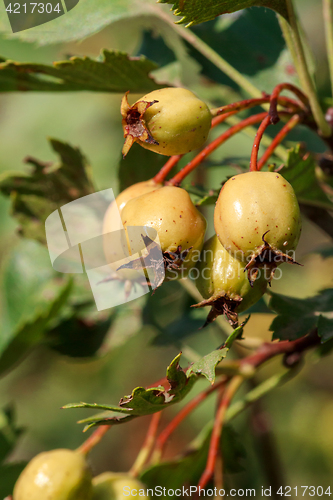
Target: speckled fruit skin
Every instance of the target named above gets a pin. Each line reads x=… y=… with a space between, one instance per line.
x=251 y=204
x=55 y=475
x=171 y=213
x=110 y=486
x=179 y=121
x=221 y=275
x=112 y=223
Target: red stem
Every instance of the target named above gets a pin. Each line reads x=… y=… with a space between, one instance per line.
x=184 y=412
x=217 y=431
x=180 y=176
x=255 y=149
x=294 y=120
x=235 y=107
x=161 y=175
x=93 y=440
x=147 y=445
x=275 y=97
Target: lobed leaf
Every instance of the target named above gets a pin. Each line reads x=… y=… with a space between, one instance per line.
x=300 y=172
x=154 y=399
x=297 y=317
x=113 y=72
x=35 y=196
x=199 y=11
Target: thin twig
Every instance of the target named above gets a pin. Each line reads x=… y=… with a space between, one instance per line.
x=328 y=23
x=255 y=148
x=177 y=420
x=294 y=120
x=167 y=167
x=217 y=430
x=180 y=176
x=93 y=440
x=147 y=446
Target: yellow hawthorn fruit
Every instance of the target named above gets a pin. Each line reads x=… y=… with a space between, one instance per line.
x=169 y=121
x=224 y=285
x=55 y=475
x=112 y=222
x=179 y=225
x=257 y=218
x=113 y=486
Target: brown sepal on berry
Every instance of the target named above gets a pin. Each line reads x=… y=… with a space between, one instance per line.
x=266 y=257
x=170 y=260
x=134 y=126
x=221 y=305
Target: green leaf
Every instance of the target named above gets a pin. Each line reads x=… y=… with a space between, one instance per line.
x=81 y=335
x=113 y=72
x=35 y=196
x=84 y=20
x=325 y=328
x=264 y=64
x=297 y=317
x=300 y=172
x=206 y=366
x=145 y=401
x=236 y=334
x=199 y=11
x=31 y=331
x=9 y=432
x=9 y=474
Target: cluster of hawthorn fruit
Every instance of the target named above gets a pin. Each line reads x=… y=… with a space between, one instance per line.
x=257 y=223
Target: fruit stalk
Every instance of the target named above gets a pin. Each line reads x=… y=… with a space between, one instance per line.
x=255 y=149
x=294 y=120
x=147 y=446
x=275 y=97
x=178 y=419
x=214 y=446
x=251 y=103
x=167 y=167
x=93 y=440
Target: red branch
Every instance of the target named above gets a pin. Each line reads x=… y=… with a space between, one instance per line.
x=93 y=440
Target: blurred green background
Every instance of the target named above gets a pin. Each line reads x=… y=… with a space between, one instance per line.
x=301 y=413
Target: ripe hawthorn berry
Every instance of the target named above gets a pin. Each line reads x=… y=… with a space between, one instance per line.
x=223 y=283
x=169 y=121
x=55 y=475
x=257 y=219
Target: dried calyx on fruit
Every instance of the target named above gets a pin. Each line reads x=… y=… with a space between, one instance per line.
x=117 y=486
x=180 y=228
x=169 y=121
x=55 y=475
x=223 y=283
x=257 y=219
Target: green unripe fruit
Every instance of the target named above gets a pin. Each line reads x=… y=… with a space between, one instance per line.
x=169 y=121
x=255 y=204
x=179 y=225
x=55 y=475
x=112 y=486
x=257 y=219
x=222 y=281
